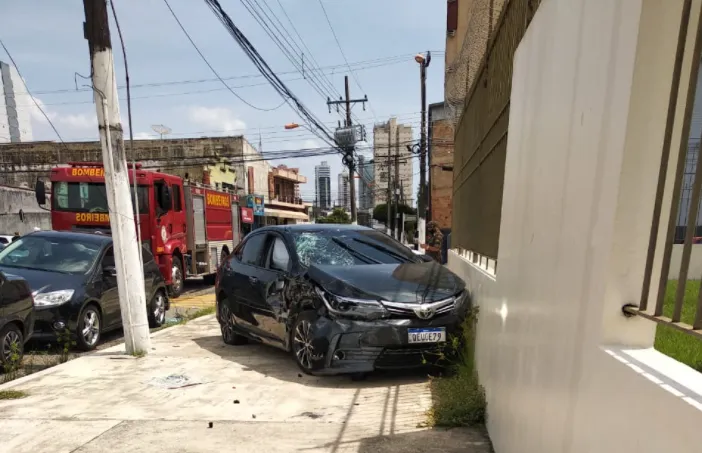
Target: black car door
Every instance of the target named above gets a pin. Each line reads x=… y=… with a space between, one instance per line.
x=271 y=310
x=242 y=282
x=109 y=295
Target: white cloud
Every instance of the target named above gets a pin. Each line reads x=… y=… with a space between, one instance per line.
x=144 y=136
x=219 y=119
x=80 y=123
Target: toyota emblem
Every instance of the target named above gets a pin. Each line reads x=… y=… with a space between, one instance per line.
x=424 y=312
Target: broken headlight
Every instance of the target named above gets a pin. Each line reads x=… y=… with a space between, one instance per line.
x=352 y=308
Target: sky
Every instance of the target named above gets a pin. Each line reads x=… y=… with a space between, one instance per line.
x=378 y=39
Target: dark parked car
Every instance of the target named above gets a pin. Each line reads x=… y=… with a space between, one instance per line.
x=16 y=318
x=74 y=282
x=340 y=298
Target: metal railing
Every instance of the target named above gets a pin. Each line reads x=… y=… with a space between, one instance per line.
x=481 y=135
x=687 y=168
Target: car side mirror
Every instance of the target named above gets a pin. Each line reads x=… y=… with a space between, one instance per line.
x=109 y=271
x=40 y=192
x=279 y=285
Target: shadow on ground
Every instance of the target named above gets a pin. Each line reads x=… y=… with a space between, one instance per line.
x=279 y=364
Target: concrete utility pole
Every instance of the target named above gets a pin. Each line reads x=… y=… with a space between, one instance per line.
x=388 y=202
x=349 y=159
x=422 y=202
x=130 y=278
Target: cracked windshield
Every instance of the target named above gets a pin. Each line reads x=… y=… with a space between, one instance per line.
x=410 y=226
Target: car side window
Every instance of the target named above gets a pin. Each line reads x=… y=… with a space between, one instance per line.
x=108 y=259
x=252 y=253
x=280 y=258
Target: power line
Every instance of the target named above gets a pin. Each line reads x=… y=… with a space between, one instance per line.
x=338 y=43
x=211 y=67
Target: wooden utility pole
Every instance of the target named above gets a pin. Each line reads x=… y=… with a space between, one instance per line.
x=423 y=192
x=130 y=277
x=397 y=187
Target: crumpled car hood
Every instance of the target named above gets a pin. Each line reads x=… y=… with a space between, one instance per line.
x=405 y=283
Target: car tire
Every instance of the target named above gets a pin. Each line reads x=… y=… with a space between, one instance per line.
x=301 y=341
x=226 y=325
x=157 y=309
x=88 y=328
x=11 y=344
x=177 y=279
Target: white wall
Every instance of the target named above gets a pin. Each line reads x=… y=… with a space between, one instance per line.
x=261 y=170
x=564 y=370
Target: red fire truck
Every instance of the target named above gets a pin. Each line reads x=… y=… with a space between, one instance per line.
x=189 y=228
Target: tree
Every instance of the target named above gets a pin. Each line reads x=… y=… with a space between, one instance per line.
x=338 y=215
x=380 y=212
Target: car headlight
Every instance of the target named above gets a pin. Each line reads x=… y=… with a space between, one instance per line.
x=352 y=308
x=52 y=298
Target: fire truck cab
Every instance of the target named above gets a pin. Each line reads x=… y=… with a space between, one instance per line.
x=188 y=228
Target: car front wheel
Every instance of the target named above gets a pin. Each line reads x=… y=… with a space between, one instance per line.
x=89 y=325
x=11 y=346
x=157 y=310
x=308 y=351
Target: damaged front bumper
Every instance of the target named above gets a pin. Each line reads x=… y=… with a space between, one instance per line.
x=354 y=346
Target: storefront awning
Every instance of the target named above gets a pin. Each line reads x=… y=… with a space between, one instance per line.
x=282 y=214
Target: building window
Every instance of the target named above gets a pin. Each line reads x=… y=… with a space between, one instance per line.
x=451 y=17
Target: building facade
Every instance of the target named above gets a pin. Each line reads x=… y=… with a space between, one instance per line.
x=344 y=191
x=15 y=105
x=322 y=186
x=365 y=183
x=284 y=205
x=390 y=141
x=440 y=147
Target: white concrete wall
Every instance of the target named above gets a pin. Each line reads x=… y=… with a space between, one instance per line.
x=564 y=370
x=695 y=270
x=261 y=170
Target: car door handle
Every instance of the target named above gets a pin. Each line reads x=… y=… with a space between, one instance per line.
x=253 y=280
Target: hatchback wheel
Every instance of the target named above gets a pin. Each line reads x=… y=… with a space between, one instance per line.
x=11 y=346
x=226 y=325
x=307 y=354
x=89 y=324
x=157 y=310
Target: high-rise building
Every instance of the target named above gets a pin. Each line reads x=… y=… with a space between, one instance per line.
x=344 y=189
x=322 y=185
x=365 y=183
x=398 y=136
x=15 y=104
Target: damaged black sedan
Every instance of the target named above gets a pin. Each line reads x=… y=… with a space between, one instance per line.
x=340 y=298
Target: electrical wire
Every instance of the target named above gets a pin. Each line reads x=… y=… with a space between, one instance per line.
x=214 y=71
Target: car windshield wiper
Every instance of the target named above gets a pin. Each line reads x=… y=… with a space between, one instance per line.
x=344 y=245
x=384 y=249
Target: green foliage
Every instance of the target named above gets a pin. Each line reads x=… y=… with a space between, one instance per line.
x=12 y=368
x=66 y=342
x=380 y=212
x=458 y=398
x=676 y=344
x=12 y=394
x=338 y=215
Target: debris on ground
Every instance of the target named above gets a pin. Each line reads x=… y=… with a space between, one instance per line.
x=236 y=401
x=174 y=381
x=210 y=425
x=312 y=415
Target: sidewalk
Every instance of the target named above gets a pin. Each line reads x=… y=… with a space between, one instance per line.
x=254 y=396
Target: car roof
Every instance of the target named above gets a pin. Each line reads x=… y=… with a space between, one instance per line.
x=307 y=227
x=96 y=238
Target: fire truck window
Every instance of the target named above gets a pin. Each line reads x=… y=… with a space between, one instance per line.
x=177 y=207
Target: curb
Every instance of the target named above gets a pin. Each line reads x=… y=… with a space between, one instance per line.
x=56 y=368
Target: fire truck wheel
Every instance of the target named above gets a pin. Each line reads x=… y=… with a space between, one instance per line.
x=176 y=288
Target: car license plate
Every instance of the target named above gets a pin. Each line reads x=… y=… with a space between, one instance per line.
x=427 y=335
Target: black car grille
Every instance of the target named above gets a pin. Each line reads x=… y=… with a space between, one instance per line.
x=402 y=310
x=409 y=356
